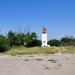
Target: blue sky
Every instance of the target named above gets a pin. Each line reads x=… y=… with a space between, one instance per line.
x=57 y=15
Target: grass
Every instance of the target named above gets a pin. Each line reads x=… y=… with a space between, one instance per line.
x=38 y=50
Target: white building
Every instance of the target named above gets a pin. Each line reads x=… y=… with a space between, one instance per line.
x=44 y=37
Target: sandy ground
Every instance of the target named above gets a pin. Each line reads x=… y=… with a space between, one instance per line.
x=51 y=64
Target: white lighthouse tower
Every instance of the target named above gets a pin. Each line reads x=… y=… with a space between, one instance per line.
x=44 y=37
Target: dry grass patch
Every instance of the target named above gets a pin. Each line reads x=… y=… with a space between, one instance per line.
x=38 y=50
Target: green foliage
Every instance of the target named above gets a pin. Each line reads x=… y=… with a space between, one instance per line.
x=33 y=35
x=31 y=40
x=36 y=42
x=3 y=44
x=16 y=39
x=21 y=39
x=68 y=41
x=54 y=42
x=11 y=38
x=28 y=40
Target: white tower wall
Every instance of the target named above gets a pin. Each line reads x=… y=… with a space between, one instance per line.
x=44 y=39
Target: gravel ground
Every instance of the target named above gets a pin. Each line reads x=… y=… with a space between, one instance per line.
x=46 y=64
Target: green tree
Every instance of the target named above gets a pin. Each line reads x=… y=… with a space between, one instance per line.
x=68 y=41
x=16 y=39
x=20 y=39
x=31 y=39
x=3 y=43
x=36 y=42
x=11 y=38
x=54 y=42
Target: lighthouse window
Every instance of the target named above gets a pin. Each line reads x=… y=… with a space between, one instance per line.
x=44 y=41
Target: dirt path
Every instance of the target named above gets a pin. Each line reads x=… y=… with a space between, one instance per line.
x=52 y=64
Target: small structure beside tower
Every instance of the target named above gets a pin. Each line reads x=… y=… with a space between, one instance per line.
x=44 y=37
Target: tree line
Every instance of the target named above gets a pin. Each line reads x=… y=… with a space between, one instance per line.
x=30 y=40
x=18 y=39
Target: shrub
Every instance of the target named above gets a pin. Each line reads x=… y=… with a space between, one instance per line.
x=36 y=42
x=54 y=42
x=3 y=43
x=31 y=40
x=11 y=38
x=68 y=41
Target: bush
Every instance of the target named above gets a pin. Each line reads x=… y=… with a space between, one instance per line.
x=11 y=38
x=54 y=42
x=68 y=41
x=16 y=39
x=3 y=43
x=36 y=42
x=31 y=40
